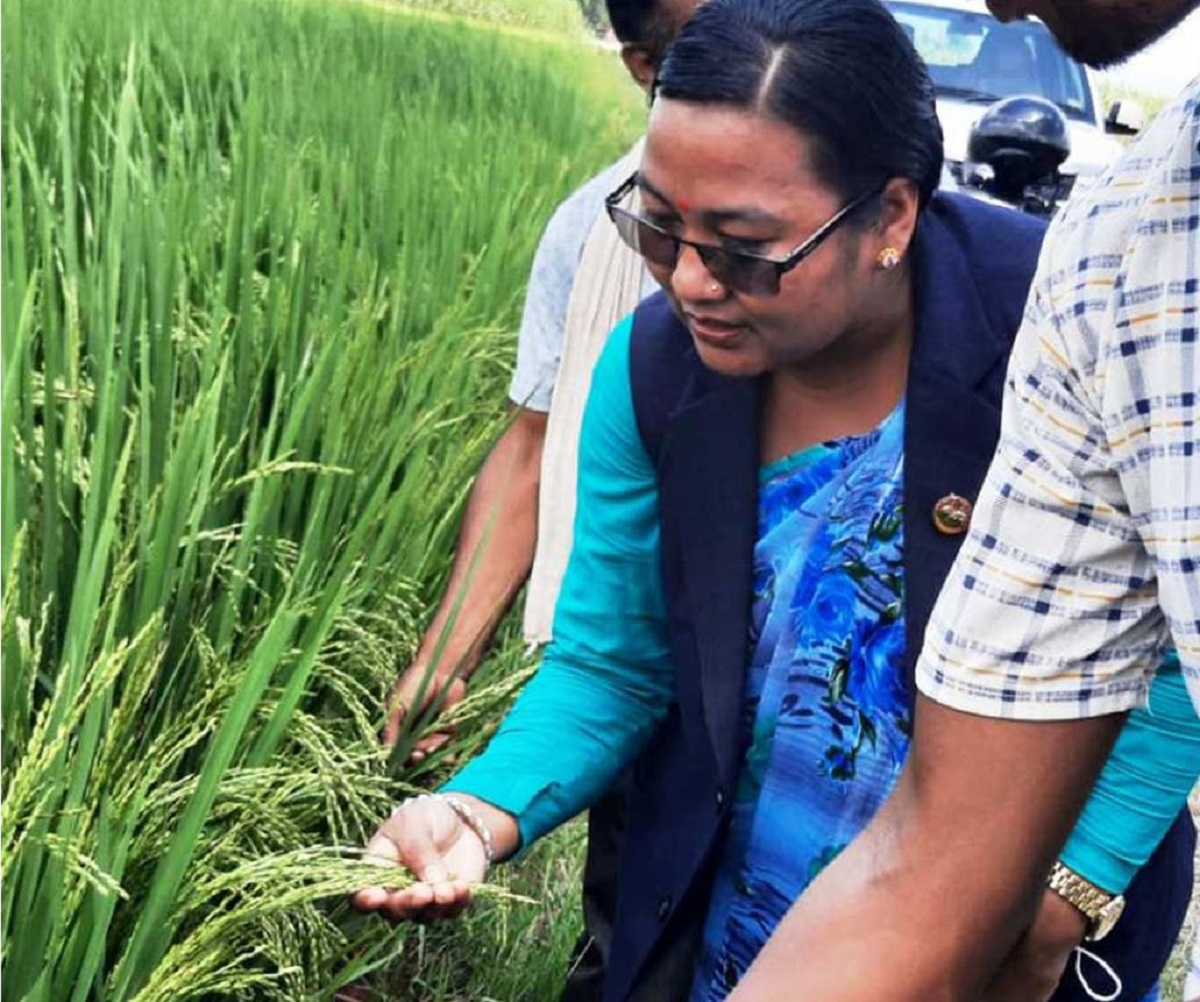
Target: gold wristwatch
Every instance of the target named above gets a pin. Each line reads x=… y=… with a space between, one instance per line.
x=1100 y=908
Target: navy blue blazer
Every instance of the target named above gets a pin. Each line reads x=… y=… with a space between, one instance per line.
x=973 y=267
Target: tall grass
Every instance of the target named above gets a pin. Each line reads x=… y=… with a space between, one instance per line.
x=557 y=16
x=261 y=267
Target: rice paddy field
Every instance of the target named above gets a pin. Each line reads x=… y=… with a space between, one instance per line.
x=263 y=263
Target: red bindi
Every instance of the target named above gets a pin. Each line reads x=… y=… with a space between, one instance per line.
x=683 y=205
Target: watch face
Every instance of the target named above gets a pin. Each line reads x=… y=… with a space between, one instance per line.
x=1107 y=918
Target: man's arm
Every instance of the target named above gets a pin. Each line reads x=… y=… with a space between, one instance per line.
x=960 y=851
x=492 y=560
x=498 y=536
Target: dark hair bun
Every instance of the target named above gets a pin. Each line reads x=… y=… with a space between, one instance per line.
x=842 y=72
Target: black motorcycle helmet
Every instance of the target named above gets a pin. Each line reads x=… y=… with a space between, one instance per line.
x=1023 y=139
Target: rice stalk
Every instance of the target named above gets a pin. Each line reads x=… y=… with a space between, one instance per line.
x=255 y=341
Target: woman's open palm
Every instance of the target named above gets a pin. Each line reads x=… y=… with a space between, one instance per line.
x=427 y=838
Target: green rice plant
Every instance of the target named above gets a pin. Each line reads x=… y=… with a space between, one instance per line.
x=262 y=262
x=563 y=17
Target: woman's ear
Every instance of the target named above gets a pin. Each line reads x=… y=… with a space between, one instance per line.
x=898 y=213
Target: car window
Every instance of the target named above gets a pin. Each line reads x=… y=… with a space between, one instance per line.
x=974 y=57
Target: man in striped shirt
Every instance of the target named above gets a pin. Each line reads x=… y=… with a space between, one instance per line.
x=1082 y=567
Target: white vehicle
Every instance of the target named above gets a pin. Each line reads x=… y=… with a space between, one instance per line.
x=975 y=60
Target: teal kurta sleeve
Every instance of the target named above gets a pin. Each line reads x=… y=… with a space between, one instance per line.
x=1144 y=785
x=606 y=680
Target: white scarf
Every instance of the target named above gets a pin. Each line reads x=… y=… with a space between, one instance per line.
x=607 y=287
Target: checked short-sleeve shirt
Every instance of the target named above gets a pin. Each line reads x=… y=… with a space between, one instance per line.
x=1083 y=559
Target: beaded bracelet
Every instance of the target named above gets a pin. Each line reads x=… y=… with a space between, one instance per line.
x=466 y=814
x=472 y=820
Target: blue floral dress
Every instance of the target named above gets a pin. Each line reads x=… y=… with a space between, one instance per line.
x=827 y=711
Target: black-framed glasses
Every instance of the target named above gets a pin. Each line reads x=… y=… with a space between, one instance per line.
x=739 y=271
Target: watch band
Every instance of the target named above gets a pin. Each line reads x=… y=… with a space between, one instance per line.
x=1098 y=906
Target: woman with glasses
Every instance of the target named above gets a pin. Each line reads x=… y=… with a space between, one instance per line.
x=775 y=473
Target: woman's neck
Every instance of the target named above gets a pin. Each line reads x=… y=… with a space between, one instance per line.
x=846 y=390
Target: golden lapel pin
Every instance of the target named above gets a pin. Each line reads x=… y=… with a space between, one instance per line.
x=952 y=515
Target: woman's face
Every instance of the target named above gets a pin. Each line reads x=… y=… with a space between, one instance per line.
x=731 y=178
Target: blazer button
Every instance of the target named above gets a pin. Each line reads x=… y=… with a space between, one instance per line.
x=664 y=908
x=720 y=798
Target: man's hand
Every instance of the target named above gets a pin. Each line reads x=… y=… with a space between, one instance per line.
x=1034 y=968
x=491 y=562
x=408 y=700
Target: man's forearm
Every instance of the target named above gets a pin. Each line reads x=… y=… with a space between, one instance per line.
x=928 y=901
x=495 y=550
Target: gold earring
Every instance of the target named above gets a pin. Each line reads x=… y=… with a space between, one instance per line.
x=888 y=259
x=714 y=287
